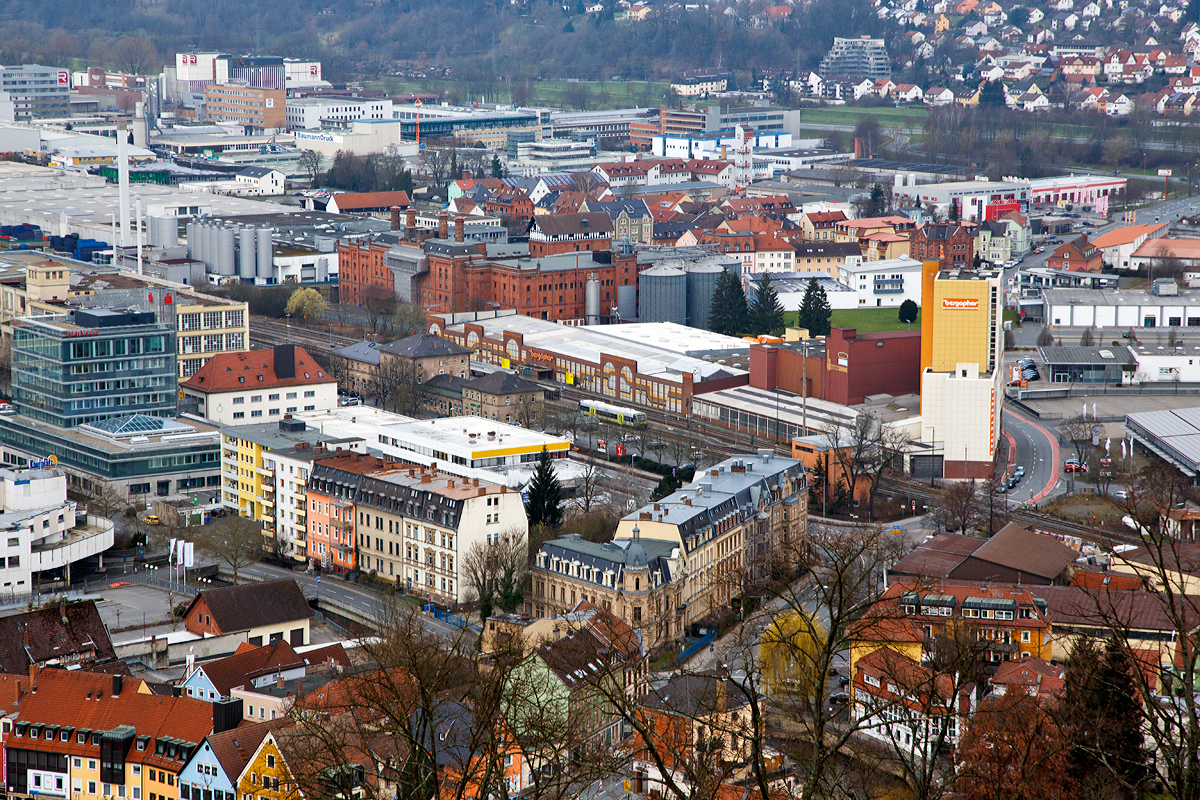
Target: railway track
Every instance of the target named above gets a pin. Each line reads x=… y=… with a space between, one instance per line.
x=1025 y=516
x=717 y=439
x=268 y=333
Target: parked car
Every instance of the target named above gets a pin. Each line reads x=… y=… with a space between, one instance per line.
x=151 y=520
x=839 y=699
x=1019 y=472
x=1119 y=494
x=1074 y=465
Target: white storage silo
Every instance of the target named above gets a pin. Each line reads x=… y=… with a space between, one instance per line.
x=227 y=255
x=247 y=253
x=265 y=263
x=591 y=296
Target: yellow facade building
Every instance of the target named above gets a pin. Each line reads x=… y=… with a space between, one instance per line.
x=962 y=346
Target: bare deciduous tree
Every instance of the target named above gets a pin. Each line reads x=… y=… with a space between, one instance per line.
x=234 y=540
x=494 y=572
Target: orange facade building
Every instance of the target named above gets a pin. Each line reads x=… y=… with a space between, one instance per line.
x=332 y=537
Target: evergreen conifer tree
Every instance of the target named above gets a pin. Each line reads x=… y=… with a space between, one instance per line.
x=1101 y=717
x=814 y=310
x=767 y=315
x=728 y=313
x=544 y=507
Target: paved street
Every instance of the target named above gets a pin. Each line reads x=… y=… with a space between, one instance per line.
x=1036 y=450
x=337 y=589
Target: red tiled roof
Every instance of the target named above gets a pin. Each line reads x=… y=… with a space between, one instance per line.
x=256 y=368
x=237 y=669
x=234 y=748
x=1034 y=675
x=360 y=201
x=82 y=699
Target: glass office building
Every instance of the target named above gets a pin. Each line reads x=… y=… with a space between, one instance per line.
x=90 y=365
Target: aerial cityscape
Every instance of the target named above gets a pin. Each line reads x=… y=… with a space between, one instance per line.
x=615 y=400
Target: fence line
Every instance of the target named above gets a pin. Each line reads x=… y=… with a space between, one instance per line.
x=696 y=646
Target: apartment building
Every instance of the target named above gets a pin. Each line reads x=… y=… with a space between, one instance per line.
x=951 y=244
x=640 y=581
x=333 y=490
x=258 y=110
x=90 y=735
x=699 y=83
x=743 y=514
x=863 y=57
x=552 y=234
x=417 y=525
x=265 y=468
x=258 y=385
x=1011 y=622
x=675 y=561
x=428 y=355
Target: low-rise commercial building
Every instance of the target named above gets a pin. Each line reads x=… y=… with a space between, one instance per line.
x=657 y=365
x=1120 y=308
x=258 y=110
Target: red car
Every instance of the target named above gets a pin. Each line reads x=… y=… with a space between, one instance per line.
x=1073 y=465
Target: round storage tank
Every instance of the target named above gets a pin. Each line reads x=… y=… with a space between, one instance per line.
x=591 y=305
x=164 y=232
x=227 y=255
x=265 y=265
x=701 y=283
x=211 y=247
x=246 y=253
x=662 y=293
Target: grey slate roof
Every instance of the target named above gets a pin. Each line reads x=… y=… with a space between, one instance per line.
x=501 y=383
x=610 y=555
x=422 y=345
x=363 y=352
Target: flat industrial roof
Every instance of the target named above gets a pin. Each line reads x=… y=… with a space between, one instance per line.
x=659 y=348
x=1118 y=297
x=790 y=408
x=1084 y=355
x=1173 y=434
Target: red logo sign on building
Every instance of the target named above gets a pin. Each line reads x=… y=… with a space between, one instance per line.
x=64 y=78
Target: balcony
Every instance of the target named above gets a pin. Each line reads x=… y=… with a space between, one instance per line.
x=889 y=287
x=82 y=541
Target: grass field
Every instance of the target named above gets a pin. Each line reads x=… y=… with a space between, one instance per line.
x=865 y=320
x=888 y=117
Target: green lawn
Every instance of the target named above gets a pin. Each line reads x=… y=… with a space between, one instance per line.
x=888 y=117
x=865 y=320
